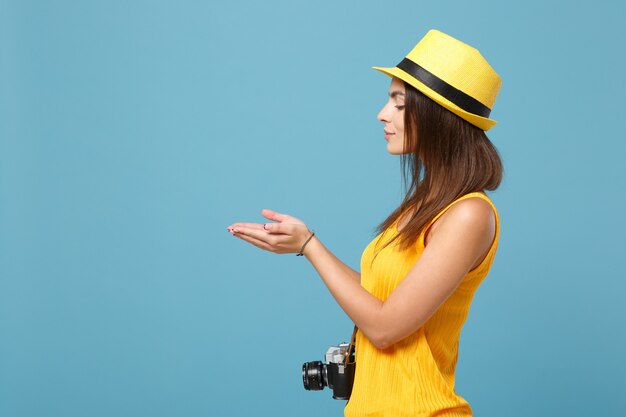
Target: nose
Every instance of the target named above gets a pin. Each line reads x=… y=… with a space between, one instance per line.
x=383 y=114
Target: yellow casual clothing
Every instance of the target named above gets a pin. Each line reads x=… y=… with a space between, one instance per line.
x=415 y=376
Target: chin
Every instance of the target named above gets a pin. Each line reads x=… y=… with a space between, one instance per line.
x=393 y=150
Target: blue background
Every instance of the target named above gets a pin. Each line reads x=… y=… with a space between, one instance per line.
x=132 y=133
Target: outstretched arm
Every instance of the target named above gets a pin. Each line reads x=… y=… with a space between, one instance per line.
x=463 y=236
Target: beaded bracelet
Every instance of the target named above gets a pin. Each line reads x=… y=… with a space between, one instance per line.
x=307 y=241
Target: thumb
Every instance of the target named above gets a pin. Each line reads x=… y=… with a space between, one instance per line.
x=273 y=215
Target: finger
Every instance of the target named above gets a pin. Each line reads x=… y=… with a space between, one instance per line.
x=261 y=234
x=279 y=228
x=256 y=242
x=258 y=226
x=273 y=215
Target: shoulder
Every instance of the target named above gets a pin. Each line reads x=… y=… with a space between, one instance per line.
x=473 y=218
x=472 y=209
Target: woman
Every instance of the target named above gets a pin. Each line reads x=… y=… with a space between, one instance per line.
x=419 y=275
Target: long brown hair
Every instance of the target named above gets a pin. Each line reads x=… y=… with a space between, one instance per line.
x=449 y=158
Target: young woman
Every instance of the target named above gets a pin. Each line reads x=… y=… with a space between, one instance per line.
x=419 y=275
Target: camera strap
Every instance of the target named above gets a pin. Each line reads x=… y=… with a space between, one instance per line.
x=351 y=348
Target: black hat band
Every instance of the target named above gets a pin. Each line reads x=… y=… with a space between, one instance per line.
x=456 y=96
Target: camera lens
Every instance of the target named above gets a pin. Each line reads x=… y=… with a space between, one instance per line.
x=312 y=376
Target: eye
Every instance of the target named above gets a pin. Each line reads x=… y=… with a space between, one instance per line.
x=399 y=107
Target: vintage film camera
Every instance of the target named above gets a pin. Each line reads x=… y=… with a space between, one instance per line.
x=337 y=373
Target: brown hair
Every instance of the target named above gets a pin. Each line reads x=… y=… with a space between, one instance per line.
x=449 y=158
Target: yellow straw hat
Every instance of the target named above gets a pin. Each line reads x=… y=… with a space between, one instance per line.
x=453 y=74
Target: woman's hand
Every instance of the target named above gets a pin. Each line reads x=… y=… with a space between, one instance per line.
x=286 y=236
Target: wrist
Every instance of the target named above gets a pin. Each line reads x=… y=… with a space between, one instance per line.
x=306 y=242
x=311 y=247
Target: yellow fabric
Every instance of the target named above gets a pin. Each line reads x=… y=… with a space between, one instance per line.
x=414 y=377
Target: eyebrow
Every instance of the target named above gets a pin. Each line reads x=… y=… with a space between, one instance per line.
x=393 y=94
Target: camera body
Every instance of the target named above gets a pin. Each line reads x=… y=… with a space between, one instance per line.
x=337 y=373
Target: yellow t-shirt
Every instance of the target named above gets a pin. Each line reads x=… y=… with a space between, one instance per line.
x=415 y=376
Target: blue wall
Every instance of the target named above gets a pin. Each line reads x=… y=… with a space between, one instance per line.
x=132 y=133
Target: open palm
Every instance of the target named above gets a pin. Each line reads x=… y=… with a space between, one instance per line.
x=287 y=235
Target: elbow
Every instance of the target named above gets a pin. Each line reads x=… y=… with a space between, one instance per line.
x=389 y=330
x=381 y=340
x=382 y=344
x=381 y=334
x=385 y=338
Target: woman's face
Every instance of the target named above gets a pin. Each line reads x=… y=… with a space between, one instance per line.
x=392 y=116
